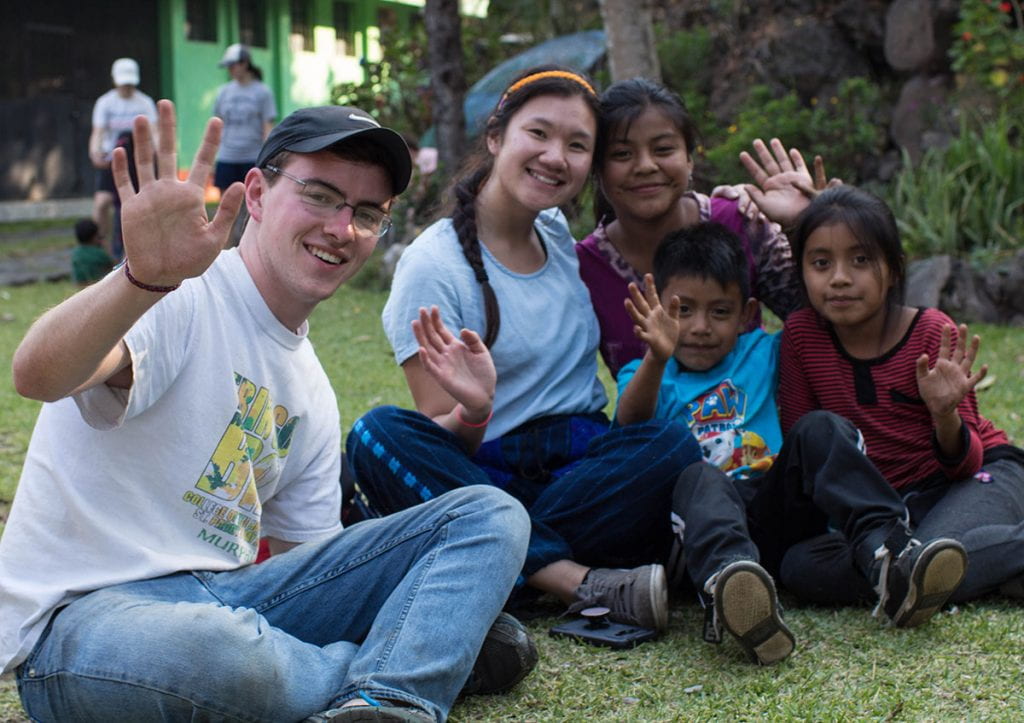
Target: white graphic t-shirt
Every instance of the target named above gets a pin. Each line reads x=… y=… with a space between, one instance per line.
x=230 y=432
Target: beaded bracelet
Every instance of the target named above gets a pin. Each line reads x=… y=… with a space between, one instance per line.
x=147 y=287
x=458 y=416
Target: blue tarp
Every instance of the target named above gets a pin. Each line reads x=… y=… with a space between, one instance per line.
x=581 y=51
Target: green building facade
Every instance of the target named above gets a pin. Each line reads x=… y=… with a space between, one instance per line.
x=57 y=56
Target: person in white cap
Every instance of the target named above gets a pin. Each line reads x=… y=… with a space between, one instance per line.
x=111 y=116
x=246 y=106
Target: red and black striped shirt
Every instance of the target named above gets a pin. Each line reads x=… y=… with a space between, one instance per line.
x=879 y=396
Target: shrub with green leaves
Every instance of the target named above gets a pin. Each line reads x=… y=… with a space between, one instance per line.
x=843 y=129
x=988 y=51
x=968 y=198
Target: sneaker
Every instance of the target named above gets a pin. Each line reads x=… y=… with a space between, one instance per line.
x=506 y=657
x=915 y=585
x=745 y=603
x=634 y=597
x=380 y=712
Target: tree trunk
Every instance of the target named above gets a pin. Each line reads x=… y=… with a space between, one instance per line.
x=447 y=80
x=629 y=30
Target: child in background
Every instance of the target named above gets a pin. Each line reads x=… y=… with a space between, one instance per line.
x=903 y=377
x=89 y=261
x=754 y=496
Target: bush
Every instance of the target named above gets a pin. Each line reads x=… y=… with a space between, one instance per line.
x=843 y=129
x=988 y=53
x=966 y=199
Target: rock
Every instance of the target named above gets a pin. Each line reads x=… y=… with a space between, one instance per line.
x=909 y=35
x=965 y=298
x=790 y=52
x=922 y=108
x=925 y=280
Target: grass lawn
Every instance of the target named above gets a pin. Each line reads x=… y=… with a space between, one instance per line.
x=964 y=665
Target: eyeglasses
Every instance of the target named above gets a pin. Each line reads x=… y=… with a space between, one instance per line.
x=323 y=201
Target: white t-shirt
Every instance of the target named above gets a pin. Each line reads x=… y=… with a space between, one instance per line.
x=230 y=432
x=115 y=114
x=244 y=110
x=546 y=351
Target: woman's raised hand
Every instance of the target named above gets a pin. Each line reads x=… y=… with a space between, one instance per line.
x=461 y=366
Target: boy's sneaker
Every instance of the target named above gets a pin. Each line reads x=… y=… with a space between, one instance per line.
x=634 y=597
x=915 y=585
x=506 y=657
x=744 y=603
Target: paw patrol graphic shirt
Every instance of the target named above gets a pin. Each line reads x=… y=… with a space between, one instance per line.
x=730 y=408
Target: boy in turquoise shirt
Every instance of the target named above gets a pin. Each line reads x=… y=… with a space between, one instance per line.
x=700 y=369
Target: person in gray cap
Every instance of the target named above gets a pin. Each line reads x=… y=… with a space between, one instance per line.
x=187 y=417
x=246 y=106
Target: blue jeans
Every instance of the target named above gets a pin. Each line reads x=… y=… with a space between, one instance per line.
x=396 y=607
x=595 y=495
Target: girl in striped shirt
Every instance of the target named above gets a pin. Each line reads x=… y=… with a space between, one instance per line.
x=904 y=378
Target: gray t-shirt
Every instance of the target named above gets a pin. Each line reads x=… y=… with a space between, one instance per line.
x=244 y=109
x=546 y=351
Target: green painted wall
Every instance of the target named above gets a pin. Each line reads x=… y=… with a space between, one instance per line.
x=298 y=78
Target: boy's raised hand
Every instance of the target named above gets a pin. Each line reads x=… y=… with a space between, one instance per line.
x=461 y=366
x=945 y=385
x=655 y=325
x=167 y=236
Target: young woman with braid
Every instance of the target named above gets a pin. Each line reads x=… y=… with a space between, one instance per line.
x=498 y=341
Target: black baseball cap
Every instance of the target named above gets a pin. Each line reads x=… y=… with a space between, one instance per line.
x=308 y=130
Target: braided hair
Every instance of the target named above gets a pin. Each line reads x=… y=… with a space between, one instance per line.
x=537 y=81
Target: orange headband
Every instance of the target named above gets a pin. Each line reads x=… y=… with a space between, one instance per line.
x=546 y=74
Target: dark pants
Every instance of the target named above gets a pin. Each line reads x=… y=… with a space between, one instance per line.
x=224 y=173
x=595 y=495
x=820 y=480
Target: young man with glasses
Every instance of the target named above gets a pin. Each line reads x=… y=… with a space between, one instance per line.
x=187 y=416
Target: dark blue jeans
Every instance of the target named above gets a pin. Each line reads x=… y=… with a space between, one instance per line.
x=595 y=495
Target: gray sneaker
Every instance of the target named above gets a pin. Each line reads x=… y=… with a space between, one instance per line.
x=634 y=597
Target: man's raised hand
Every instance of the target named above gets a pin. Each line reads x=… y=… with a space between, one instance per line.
x=167 y=235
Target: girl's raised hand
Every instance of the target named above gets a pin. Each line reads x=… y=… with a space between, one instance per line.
x=945 y=385
x=784 y=185
x=655 y=325
x=461 y=366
